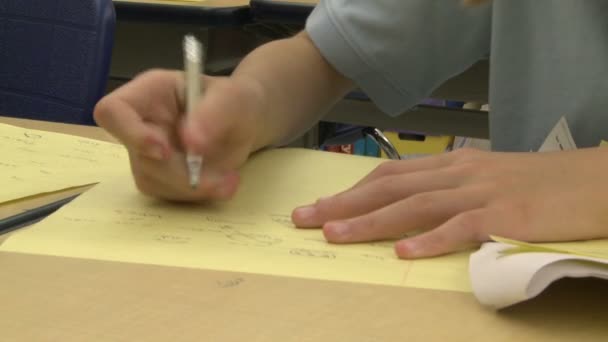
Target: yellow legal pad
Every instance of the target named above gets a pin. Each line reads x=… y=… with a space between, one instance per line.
x=35 y=162
x=251 y=233
x=591 y=248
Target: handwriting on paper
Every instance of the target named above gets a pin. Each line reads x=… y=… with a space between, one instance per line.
x=174 y=239
x=38 y=162
x=312 y=253
x=251 y=233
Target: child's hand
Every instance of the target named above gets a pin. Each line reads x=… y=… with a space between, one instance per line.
x=463 y=197
x=147 y=116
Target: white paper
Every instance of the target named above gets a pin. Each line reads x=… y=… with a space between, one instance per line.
x=559 y=139
x=500 y=280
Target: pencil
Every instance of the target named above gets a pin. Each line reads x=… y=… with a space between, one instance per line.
x=193 y=67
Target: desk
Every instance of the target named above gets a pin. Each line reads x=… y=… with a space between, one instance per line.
x=149 y=34
x=47 y=298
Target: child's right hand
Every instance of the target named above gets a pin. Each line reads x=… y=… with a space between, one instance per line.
x=147 y=116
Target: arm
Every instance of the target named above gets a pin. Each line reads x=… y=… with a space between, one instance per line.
x=277 y=91
x=295 y=83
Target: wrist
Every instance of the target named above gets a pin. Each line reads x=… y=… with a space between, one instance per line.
x=257 y=99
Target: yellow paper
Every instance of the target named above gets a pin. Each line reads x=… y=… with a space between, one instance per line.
x=35 y=162
x=251 y=233
x=591 y=248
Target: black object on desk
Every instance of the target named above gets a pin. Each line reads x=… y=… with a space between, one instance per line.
x=280 y=12
x=32 y=216
x=205 y=16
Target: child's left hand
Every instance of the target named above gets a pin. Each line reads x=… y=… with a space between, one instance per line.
x=462 y=197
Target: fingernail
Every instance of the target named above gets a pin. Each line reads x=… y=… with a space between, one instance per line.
x=305 y=213
x=323 y=198
x=156 y=152
x=341 y=229
x=225 y=190
x=408 y=249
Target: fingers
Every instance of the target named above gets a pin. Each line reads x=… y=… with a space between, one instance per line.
x=220 y=121
x=371 y=196
x=421 y=211
x=146 y=115
x=142 y=113
x=462 y=231
x=124 y=123
x=151 y=179
x=156 y=96
x=218 y=129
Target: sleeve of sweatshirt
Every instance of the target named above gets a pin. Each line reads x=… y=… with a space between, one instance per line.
x=399 y=51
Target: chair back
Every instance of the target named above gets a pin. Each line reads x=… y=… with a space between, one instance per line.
x=54 y=58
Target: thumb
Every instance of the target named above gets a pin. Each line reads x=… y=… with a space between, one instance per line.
x=460 y=232
x=213 y=120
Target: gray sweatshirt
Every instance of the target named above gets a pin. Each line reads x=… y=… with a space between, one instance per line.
x=548 y=58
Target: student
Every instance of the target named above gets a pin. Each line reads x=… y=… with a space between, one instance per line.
x=548 y=58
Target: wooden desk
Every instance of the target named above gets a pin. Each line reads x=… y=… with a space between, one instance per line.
x=46 y=298
x=149 y=34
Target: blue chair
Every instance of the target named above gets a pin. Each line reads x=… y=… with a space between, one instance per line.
x=54 y=58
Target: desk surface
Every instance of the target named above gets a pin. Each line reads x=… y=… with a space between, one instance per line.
x=46 y=298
